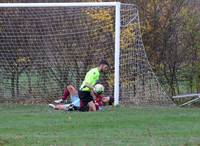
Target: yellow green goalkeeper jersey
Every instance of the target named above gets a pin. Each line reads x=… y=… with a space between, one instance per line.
x=92 y=76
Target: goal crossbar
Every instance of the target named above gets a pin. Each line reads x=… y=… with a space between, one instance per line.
x=83 y=4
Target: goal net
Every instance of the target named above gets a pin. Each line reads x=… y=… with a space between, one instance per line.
x=43 y=49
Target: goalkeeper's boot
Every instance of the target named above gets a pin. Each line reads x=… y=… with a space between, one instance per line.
x=52 y=106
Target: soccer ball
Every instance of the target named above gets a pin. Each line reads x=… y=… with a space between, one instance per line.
x=99 y=88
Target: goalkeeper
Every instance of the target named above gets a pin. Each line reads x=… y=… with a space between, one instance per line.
x=91 y=78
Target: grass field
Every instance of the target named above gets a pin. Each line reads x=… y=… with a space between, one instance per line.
x=26 y=125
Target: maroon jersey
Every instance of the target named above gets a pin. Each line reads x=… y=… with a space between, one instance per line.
x=98 y=102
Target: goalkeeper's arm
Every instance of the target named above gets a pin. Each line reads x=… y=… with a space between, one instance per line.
x=94 y=92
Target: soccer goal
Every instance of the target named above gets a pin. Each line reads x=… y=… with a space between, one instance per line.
x=45 y=46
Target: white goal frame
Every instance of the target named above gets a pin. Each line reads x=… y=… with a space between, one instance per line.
x=117 y=6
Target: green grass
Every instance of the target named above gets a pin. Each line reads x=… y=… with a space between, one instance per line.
x=26 y=125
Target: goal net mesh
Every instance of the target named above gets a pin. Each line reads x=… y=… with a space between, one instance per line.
x=46 y=48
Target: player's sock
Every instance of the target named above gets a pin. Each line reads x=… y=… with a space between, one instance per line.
x=67 y=106
x=66 y=94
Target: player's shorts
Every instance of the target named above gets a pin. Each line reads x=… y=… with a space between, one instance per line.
x=85 y=98
x=75 y=100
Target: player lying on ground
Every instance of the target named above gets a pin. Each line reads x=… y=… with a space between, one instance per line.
x=76 y=103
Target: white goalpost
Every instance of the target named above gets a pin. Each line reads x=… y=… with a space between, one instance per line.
x=45 y=45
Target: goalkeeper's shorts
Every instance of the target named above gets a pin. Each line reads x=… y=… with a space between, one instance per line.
x=85 y=98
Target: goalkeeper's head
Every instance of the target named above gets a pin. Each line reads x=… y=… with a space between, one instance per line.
x=104 y=66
